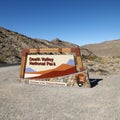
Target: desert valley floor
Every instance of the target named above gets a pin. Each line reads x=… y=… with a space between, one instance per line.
x=20 y=101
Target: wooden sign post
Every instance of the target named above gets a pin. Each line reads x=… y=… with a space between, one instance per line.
x=53 y=66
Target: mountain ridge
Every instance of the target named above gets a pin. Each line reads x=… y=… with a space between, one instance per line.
x=12 y=44
x=98 y=58
x=106 y=48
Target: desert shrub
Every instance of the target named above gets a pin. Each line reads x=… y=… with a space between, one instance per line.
x=88 y=57
x=115 y=57
x=101 y=71
x=2 y=58
x=98 y=59
x=118 y=56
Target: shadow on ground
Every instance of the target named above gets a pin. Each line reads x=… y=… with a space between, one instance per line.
x=94 y=81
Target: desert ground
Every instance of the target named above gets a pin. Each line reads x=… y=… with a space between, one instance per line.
x=20 y=101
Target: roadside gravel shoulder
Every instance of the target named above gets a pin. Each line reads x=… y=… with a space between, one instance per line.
x=19 y=101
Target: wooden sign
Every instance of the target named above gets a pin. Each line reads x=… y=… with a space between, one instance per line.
x=50 y=62
x=48 y=66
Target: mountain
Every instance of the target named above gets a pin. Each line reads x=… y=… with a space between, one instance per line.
x=107 y=48
x=102 y=58
x=12 y=44
x=107 y=60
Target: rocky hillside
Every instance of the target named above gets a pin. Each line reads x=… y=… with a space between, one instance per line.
x=12 y=44
x=107 y=60
x=108 y=48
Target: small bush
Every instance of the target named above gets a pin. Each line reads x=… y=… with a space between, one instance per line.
x=2 y=58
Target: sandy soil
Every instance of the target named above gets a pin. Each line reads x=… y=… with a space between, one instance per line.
x=19 y=101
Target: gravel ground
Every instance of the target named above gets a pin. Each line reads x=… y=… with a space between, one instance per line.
x=19 y=101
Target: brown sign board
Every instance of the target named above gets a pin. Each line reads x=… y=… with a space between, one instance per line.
x=39 y=65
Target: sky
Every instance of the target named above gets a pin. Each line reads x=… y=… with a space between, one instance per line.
x=77 y=21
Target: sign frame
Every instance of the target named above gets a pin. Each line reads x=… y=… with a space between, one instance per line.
x=75 y=51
